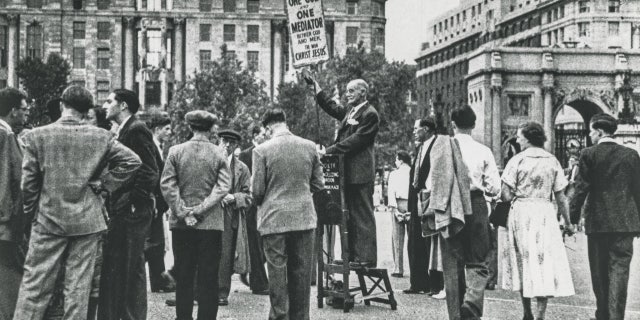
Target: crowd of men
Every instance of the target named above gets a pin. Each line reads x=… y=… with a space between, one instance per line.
x=77 y=197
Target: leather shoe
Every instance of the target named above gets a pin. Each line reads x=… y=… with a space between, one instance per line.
x=164 y=289
x=412 y=291
x=396 y=275
x=359 y=264
x=172 y=302
x=261 y=292
x=244 y=278
x=223 y=302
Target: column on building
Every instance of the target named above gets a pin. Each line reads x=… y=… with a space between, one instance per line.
x=548 y=116
x=142 y=73
x=330 y=27
x=142 y=87
x=164 y=85
x=276 y=76
x=12 y=50
x=178 y=66
x=496 y=118
x=129 y=25
x=635 y=30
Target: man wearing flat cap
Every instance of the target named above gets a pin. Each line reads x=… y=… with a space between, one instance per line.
x=194 y=182
x=235 y=204
x=123 y=288
x=67 y=204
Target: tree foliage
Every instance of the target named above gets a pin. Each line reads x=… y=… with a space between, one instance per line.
x=43 y=81
x=225 y=89
x=389 y=85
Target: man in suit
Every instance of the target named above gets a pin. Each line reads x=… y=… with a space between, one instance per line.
x=67 y=204
x=356 y=138
x=123 y=288
x=234 y=204
x=419 y=247
x=259 y=283
x=194 y=182
x=286 y=171
x=13 y=108
x=608 y=179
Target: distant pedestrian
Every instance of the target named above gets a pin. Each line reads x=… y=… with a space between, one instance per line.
x=608 y=180
x=194 y=182
x=398 y=194
x=535 y=259
x=286 y=171
x=62 y=175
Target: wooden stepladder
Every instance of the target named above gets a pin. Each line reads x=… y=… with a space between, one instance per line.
x=332 y=210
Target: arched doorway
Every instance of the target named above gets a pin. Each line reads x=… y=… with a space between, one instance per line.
x=571 y=124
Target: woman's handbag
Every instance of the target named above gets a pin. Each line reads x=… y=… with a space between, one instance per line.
x=500 y=214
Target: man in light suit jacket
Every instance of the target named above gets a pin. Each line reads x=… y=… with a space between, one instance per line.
x=123 y=288
x=68 y=204
x=286 y=171
x=13 y=108
x=609 y=179
x=356 y=137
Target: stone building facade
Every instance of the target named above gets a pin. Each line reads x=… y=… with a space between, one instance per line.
x=151 y=45
x=518 y=60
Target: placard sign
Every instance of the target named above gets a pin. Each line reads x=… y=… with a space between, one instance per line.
x=307 y=34
x=328 y=202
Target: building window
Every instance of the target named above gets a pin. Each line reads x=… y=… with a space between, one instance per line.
x=205 y=58
x=103 y=89
x=378 y=9
x=104 y=30
x=352 y=7
x=34 y=41
x=3 y=46
x=152 y=92
x=473 y=12
x=205 y=5
x=435 y=29
x=583 y=6
x=34 y=4
x=583 y=29
x=205 y=32
x=229 y=5
x=77 y=4
x=229 y=32
x=464 y=15
x=252 y=60
x=78 y=58
x=79 y=83
x=104 y=4
x=103 y=58
x=352 y=35
x=231 y=54
x=379 y=37
x=79 y=29
x=154 y=47
x=253 y=33
x=614 y=28
x=479 y=8
x=253 y=6
x=614 y=5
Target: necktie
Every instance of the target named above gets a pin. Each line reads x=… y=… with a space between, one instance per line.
x=416 y=167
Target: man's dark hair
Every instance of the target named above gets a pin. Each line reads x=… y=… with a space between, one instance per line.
x=129 y=97
x=464 y=117
x=101 y=118
x=256 y=130
x=534 y=133
x=276 y=115
x=10 y=98
x=429 y=122
x=605 y=122
x=404 y=157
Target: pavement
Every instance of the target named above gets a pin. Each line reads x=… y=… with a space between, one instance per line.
x=499 y=304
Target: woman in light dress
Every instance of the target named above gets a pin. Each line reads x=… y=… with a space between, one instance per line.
x=534 y=258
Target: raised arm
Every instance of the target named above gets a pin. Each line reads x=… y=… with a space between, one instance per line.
x=122 y=163
x=330 y=106
x=361 y=139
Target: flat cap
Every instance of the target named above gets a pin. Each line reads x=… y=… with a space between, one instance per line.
x=78 y=98
x=201 y=119
x=229 y=135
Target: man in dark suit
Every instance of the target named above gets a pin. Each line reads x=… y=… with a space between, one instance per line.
x=356 y=137
x=123 y=285
x=609 y=179
x=286 y=171
x=259 y=284
x=424 y=133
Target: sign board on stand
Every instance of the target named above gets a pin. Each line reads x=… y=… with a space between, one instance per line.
x=306 y=24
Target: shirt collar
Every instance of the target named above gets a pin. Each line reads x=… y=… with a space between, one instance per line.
x=284 y=132
x=356 y=108
x=607 y=139
x=122 y=125
x=6 y=125
x=462 y=136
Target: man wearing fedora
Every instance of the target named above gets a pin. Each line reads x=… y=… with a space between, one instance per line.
x=67 y=204
x=194 y=182
x=235 y=205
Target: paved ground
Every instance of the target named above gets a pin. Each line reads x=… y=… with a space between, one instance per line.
x=499 y=304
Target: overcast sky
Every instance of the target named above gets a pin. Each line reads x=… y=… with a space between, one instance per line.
x=407 y=25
